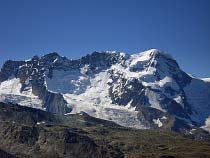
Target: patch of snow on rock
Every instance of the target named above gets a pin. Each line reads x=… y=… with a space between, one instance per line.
x=158 y=122
x=207 y=125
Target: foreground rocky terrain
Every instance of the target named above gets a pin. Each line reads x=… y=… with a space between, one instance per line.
x=26 y=132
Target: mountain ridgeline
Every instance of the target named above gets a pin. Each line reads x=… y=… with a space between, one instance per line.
x=143 y=90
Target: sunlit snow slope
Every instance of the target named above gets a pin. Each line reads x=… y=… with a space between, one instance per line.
x=10 y=92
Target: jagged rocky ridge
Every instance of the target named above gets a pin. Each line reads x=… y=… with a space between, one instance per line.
x=143 y=90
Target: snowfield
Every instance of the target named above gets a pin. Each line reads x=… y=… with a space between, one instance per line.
x=96 y=102
x=10 y=91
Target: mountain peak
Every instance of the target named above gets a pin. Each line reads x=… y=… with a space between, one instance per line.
x=157 y=53
x=152 y=60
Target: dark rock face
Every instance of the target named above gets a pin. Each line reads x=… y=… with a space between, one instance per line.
x=147 y=114
x=9 y=69
x=128 y=91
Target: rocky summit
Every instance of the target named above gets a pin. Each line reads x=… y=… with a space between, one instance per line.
x=146 y=90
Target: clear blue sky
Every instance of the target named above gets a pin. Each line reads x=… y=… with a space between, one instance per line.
x=74 y=28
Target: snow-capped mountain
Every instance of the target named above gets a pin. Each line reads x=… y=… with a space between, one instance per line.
x=143 y=90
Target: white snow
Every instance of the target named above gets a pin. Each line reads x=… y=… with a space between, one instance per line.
x=84 y=69
x=11 y=86
x=72 y=81
x=39 y=123
x=154 y=99
x=96 y=102
x=56 y=59
x=10 y=92
x=207 y=125
x=206 y=79
x=168 y=81
x=164 y=118
x=139 y=58
x=179 y=100
x=28 y=60
x=158 y=122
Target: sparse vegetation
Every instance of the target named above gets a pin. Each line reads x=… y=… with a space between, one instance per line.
x=82 y=136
